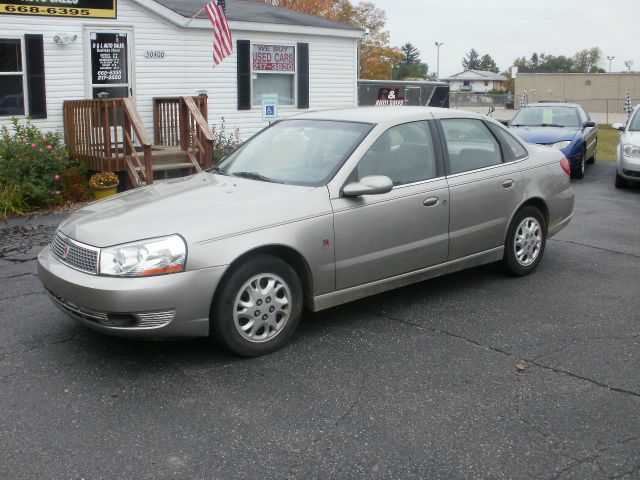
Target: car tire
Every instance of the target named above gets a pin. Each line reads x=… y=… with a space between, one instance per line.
x=592 y=160
x=257 y=307
x=525 y=242
x=620 y=181
x=579 y=172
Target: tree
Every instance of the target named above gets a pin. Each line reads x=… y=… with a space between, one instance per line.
x=488 y=64
x=410 y=66
x=586 y=61
x=471 y=61
x=534 y=63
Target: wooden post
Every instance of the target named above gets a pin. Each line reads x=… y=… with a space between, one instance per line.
x=148 y=164
x=156 y=122
x=184 y=126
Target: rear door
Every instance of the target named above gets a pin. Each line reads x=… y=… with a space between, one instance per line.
x=485 y=186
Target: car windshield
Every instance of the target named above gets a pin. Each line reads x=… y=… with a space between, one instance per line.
x=298 y=152
x=634 y=126
x=544 y=116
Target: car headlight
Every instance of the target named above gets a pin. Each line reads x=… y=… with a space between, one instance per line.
x=631 y=151
x=156 y=256
x=562 y=144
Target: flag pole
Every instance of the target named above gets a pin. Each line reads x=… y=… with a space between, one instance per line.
x=198 y=13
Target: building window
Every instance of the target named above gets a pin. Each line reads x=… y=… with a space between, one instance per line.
x=273 y=71
x=12 y=78
x=486 y=84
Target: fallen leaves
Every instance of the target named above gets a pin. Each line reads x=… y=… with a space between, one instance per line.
x=521 y=366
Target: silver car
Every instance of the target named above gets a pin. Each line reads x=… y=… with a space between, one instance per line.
x=314 y=211
x=629 y=150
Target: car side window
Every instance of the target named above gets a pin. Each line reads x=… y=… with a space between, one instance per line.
x=512 y=148
x=404 y=153
x=470 y=145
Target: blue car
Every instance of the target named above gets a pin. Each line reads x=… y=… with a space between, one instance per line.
x=561 y=125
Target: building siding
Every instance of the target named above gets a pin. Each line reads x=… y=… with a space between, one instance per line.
x=186 y=69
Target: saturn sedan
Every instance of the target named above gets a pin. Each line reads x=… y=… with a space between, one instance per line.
x=628 y=152
x=314 y=211
x=565 y=126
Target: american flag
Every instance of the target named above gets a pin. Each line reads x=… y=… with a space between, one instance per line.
x=222 y=40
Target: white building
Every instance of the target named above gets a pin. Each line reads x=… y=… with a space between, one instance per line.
x=475 y=81
x=51 y=51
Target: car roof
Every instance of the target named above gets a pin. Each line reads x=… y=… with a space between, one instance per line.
x=554 y=104
x=378 y=115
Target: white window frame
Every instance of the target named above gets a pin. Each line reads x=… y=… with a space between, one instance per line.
x=25 y=89
x=294 y=105
x=109 y=28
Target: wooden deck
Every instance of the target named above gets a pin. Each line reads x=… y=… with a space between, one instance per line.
x=108 y=135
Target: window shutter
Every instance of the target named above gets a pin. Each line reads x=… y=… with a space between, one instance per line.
x=34 y=53
x=303 y=75
x=244 y=74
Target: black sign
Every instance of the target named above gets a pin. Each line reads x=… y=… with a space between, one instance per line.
x=61 y=8
x=109 y=58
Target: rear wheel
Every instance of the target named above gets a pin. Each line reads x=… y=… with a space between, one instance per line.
x=258 y=307
x=526 y=240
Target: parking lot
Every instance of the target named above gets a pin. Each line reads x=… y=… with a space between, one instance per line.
x=419 y=382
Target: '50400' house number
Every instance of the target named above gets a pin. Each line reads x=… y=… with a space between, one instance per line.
x=154 y=54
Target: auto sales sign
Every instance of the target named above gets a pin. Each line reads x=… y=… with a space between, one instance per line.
x=61 y=8
x=274 y=58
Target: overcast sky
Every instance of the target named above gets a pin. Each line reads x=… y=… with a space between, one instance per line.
x=507 y=29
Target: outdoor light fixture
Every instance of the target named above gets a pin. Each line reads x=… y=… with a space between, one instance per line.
x=64 y=38
x=610 y=58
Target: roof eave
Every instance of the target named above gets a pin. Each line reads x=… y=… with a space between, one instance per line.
x=203 y=23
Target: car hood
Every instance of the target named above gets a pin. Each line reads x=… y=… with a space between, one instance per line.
x=545 y=135
x=200 y=208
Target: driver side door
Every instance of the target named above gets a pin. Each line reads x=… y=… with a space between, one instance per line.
x=381 y=236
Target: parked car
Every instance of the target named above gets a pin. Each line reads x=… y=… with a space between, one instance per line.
x=561 y=125
x=316 y=210
x=629 y=150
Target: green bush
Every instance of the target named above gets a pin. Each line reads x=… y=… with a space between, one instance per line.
x=33 y=166
x=224 y=142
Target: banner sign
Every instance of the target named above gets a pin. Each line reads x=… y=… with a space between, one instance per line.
x=389 y=97
x=273 y=58
x=109 y=58
x=61 y=8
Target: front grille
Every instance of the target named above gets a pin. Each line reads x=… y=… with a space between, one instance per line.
x=76 y=255
x=631 y=173
x=140 y=320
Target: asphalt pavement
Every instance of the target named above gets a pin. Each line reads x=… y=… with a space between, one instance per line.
x=418 y=383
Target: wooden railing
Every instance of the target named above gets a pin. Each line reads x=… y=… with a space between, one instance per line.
x=182 y=121
x=109 y=135
x=195 y=134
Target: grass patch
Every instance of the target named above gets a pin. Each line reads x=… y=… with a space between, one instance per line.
x=608 y=140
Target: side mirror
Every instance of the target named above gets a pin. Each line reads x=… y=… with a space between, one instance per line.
x=618 y=126
x=373 y=185
x=589 y=124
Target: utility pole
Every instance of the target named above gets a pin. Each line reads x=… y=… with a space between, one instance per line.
x=610 y=58
x=438 y=45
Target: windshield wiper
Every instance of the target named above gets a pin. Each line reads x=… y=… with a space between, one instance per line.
x=255 y=176
x=549 y=125
x=218 y=171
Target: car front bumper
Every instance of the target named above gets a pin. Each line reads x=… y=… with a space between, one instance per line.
x=175 y=305
x=629 y=168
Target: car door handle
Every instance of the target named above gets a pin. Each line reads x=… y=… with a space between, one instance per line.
x=431 y=202
x=508 y=183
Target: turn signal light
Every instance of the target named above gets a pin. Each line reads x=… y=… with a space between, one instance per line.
x=564 y=163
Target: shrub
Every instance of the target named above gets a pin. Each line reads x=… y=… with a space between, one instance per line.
x=224 y=142
x=32 y=165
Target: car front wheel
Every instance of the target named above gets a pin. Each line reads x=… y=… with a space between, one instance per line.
x=525 y=243
x=258 y=307
x=578 y=172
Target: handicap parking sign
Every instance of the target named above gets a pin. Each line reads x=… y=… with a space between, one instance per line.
x=269 y=107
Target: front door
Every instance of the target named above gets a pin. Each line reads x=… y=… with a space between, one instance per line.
x=110 y=64
x=380 y=236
